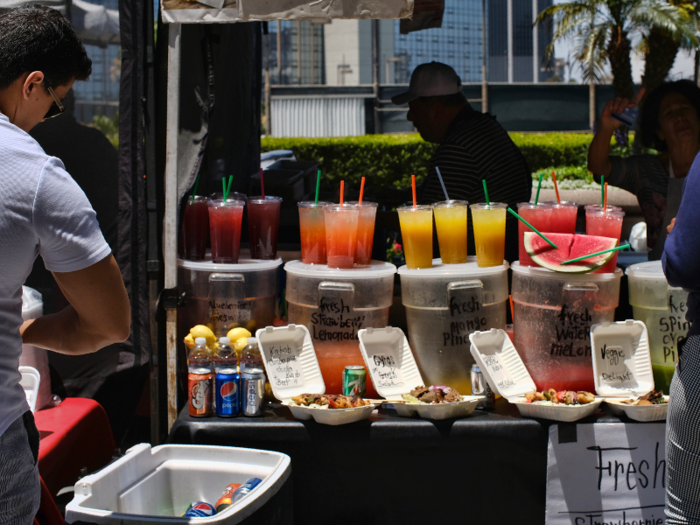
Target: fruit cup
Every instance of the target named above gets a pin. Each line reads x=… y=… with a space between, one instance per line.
x=451 y=224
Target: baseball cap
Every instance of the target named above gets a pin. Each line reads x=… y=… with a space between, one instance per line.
x=430 y=80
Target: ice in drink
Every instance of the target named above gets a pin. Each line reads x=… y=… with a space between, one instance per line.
x=451 y=224
x=225 y=218
x=540 y=216
x=194 y=235
x=563 y=217
x=489 y=222
x=605 y=223
x=263 y=225
x=417 y=233
x=312 y=226
x=341 y=234
x=365 y=232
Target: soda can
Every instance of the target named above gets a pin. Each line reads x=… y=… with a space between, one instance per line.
x=253 y=393
x=245 y=489
x=199 y=509
x=481 y=387
x=199 y=393
x=354 y=376
x=225 y=499
x=227 y=393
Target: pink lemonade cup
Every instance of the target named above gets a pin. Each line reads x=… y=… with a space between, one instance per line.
x=312 y=227
x=365 y=232
x=225 y=220
x=605 y=223
x=540 y=216
x=263 y=226
x=341 y=234
x=563 y=217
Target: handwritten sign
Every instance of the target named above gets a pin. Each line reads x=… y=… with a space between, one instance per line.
x=572 y=333
x=606 y=473
x=227 y=305
x=385 y=371
x=614 y=370
x=673 y=326
x=466 y=317
x=283 y=366
x=498 y=372
x=335 y=321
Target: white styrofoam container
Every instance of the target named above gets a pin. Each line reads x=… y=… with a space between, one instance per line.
x=625 y=371
x=292 y=369
x=149 y=486
x=394 y=372
x=506 y=373
x=31 y=379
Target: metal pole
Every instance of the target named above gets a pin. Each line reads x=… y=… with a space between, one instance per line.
x=591 y=105
x=535 y=45
x=484 y=53
x=311 y=54
x=170 y=218
x=268 y=108
x=510 y=41
x=299 y=50
x=375 y=73
x=279 y=52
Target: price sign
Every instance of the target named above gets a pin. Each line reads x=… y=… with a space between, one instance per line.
x=614 y=371
x=385 y=371
x=498 y=372
x=283 y=367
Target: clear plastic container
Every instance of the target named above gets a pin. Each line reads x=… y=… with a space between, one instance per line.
x=446 y=303
x=553 y=315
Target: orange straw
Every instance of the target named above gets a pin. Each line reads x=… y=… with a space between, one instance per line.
x=605 y=201
x=512 y=313
x=556 y=188
x=362 y=189
x=413 y=182
x=342 y=191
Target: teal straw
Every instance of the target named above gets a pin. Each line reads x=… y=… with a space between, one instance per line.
x=486 y=192
x=602 y=191
x=539 y=186
x=196 y=184
x=533 y=228
x=596 y=253
x=318 y=185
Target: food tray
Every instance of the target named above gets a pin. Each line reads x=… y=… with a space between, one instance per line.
x=333 y=416
x=394 y=372
x=643 y=413
x=564 y=413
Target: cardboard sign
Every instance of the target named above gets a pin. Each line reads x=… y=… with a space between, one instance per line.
x=606 y=473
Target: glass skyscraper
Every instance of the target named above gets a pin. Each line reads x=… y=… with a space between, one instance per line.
x=296 y=52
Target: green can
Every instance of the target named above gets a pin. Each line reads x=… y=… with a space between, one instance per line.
x=354 y=376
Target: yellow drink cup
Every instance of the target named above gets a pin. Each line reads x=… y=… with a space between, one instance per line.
x=417 y=233
x=451 y=224
x=489 y=221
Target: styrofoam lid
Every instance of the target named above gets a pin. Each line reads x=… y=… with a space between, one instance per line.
x=501 y=364
x=621 y=359
x=469 y=268
x=243 y=265
x=31 y=379
x=651 y=270
x=290 y=361
x=32 y=304
x=375 y=270
x=389 y=361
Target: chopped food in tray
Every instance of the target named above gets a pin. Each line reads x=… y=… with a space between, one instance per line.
x=328 y=401
x=563 y=397
x=651 y=398
x=432 y=395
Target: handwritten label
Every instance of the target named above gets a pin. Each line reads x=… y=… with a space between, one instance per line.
x=283 y=367
x=385 y=371
x=499 y=374
x=572 y=332
x=335 y=322
x=465 y=320
x=673 y=328
x=615 y=370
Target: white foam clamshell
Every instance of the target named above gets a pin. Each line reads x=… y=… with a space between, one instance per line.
x=394 y=372
x=292 y=369
x=31 y=379
x=622 y=368
x=506 y=373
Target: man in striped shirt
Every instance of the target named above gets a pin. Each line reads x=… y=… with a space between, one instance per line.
x=473 y=147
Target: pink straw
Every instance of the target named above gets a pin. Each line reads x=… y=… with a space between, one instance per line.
x=262 y=183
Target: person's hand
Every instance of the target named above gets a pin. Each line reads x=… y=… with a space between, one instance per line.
x=670 y=226
x=618 y=105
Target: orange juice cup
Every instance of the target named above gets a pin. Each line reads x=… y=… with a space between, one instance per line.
x=451 y=224
x=365 y=232
x=312 y=226
x=489 y=221
x=341 y=234
x=417 y=233
x=540 y=216
x=605 y=223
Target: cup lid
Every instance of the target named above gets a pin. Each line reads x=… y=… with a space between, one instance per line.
x=312 y=204
x=491 y=206
x=375 y=270
x=467 y=269
x=651 y=270
x=450 y=204
x=421 y=207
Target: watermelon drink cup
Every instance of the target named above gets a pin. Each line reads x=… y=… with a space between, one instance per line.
x=341 y=234
x=605 y=223
x=489 y=221
x=539 y=215
x=451 y=224
x=263 y=225
x=417 y=233
x=225 y=218
x=365 y=232
x=312 y=226
x=563 y=219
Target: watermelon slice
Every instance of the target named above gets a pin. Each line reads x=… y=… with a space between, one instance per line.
x=569 y=246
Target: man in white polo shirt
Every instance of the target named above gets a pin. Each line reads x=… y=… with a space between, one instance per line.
x=43 y=212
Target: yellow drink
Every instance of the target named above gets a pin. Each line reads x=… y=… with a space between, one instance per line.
x=417 y=233
x=451 y=224
x=489 y=233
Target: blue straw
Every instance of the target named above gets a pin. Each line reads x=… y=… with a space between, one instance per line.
x=444 y=190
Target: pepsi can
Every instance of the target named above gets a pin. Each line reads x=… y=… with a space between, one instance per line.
x=227 y=383
x=253 y=384
x=200 y=509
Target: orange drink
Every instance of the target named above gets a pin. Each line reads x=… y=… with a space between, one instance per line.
x=417 y=233
x=312 y=226
x=489 y=221
x=451 y=224
x=341 y=234
x=365 y=232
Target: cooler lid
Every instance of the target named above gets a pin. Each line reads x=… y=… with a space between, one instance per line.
x=290 y=361
x=375 y=270
x=651 y=270
x=243 y=265
x=621 y=359
x=389 y=361
x=467 y=269
x=545 y=273
x=501 y=364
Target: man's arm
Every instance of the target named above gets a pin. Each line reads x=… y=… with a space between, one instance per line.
x=99 y=313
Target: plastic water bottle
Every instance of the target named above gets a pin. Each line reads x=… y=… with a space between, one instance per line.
x=251 y=359
x=225 y=357
x=199 y=379
x=199 y=359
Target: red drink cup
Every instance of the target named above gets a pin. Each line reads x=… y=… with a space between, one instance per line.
x=341 y=234
x=312 y=226
x=539 y=215
x=194 y=235
x=263 y=224
x=605 y=223
x=225 y=220
x=365 y=232
x=563 y=217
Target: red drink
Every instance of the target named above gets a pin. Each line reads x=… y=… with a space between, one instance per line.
x=563 y=217
x=225 y=220
x=341 y=234
x=263 y=224
x=194 y=235
x=605 y=223
x=365 y=232
x=312 y=226
x=539 y=215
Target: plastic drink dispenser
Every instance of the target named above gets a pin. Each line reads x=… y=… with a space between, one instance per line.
x=446 y=303
x=334 y=304
x=662 y=308
x=553 y=315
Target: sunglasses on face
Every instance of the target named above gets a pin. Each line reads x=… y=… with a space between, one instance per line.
x=56 y=108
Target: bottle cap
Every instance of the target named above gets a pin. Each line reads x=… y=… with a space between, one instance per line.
x=224 y=340
x=252 y=341
x=200 y=341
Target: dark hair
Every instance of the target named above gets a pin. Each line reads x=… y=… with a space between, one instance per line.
x=457 y=99
x=38 y=38
x=649 y=119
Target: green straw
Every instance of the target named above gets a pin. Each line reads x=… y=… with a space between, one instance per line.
x=318 y=185
x=230 y=180
x=196 y=184
x=486 y=192
x=532 y=228
x=602 y=191
x=539 y=186
x=596 y=253
x=223 y=183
